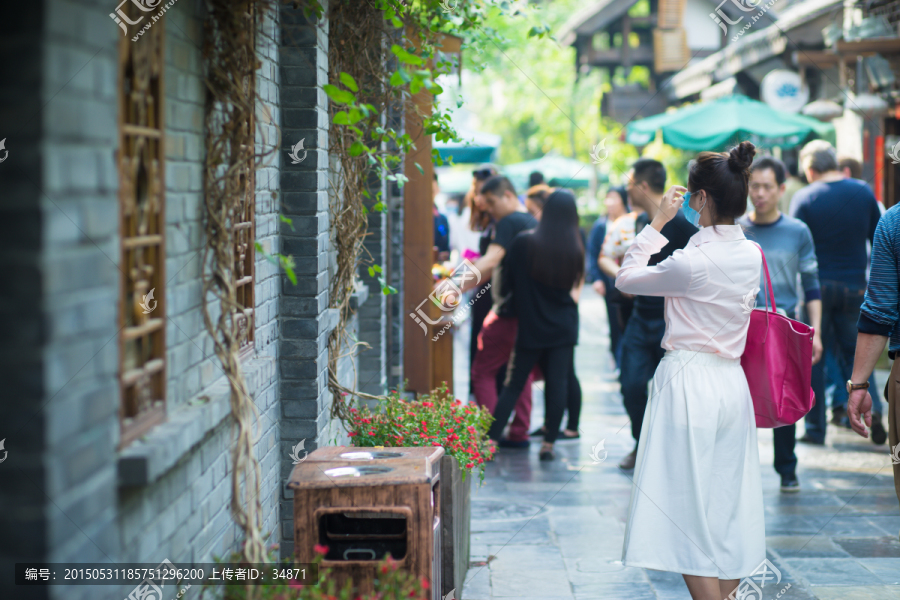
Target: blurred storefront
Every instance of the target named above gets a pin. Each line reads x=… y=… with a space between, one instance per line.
x=830 y=59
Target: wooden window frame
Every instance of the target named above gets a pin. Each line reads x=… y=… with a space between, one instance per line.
x=142 y=233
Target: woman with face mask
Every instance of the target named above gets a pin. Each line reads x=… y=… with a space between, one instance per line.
x=696 y=504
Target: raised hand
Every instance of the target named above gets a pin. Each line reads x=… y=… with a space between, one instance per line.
x=668 y=207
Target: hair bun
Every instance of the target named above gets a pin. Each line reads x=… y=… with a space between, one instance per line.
x=741 y=156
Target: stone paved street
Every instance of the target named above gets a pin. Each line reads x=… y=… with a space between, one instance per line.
x=554 y=531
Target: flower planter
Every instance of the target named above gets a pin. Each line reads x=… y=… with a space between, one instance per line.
x=456 y=514
x=436 y=419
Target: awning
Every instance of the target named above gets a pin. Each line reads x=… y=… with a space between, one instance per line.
x=592 y=18
x=558 y=171
x=752 y=48
x=474 y=147
x=725 y=122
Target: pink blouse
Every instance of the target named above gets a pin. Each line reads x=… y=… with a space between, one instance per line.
x=710 y=287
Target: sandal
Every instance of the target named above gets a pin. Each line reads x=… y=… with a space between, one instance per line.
x=546 y=453
x=539 y=432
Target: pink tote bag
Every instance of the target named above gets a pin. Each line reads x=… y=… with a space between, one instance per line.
x=778 y=364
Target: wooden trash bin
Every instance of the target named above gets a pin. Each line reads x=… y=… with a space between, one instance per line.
x=364 y=503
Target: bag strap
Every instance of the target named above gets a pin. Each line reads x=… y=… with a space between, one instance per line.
x=768 y=281
x=770 y=293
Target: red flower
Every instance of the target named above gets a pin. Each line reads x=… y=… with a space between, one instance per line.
x=294 y=585
x=470 y=465
x=425 y=584
x=352 y=433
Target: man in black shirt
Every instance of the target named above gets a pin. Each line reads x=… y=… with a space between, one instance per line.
x=642 y=341
x=498 y=334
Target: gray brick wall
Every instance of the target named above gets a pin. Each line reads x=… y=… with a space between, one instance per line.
x=306 y=320
x=185 y=515
x=22 y=223
x=59 y=488
x=396 y=317
x=63 y=490
x=373 y=317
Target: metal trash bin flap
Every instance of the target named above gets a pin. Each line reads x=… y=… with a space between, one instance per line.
x=370 y=455
x=364 y=534
x=357 y=471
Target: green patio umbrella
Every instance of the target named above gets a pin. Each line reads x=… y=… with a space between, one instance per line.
x=727 y=121
x=474 y=147
x=558 y=171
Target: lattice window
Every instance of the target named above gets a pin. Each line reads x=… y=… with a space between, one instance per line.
x=245 y=226
x=142 y=290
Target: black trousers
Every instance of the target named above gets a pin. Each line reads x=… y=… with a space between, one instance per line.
x=641 y=354
x=618 y=313
x=785 y=438
x=573 y=393
x=557 y=364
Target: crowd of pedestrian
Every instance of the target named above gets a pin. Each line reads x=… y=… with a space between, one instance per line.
x=680 y=280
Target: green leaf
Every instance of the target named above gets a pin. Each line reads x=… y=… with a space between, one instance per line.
x=379 y=207
x=397 y=22
x=415 y=85
x=376 y=268
x=397 y=79
x=371 y=271
x=406 y=57
x=419 y=167
x=338 y=95
x=287 y=263
x=341 y=118
x=349 y=82
x=357 y=148
x=285 y=219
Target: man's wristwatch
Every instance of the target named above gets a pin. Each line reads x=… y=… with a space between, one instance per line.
x=857 y=386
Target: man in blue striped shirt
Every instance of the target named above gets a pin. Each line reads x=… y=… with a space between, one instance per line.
x=879 y=320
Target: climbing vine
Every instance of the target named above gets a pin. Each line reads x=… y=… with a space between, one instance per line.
x=381 y=53
x=231 y=162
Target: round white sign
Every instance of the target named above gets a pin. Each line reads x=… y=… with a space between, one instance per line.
x=783 y=90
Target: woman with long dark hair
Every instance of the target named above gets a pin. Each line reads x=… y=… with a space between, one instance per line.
x=697 y=504
x=545 y=277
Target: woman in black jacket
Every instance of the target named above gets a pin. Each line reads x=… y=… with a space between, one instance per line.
x=545 y=275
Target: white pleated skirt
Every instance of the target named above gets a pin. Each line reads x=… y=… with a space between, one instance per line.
x=696 y=500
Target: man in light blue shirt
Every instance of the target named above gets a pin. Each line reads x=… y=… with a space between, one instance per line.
x=790 y=254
